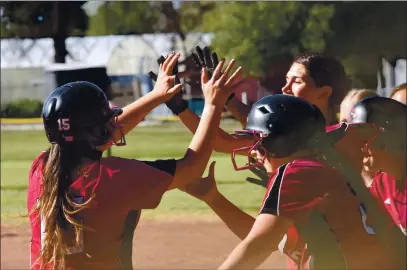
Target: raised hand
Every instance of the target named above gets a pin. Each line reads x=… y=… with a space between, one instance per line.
x=261 y=173
x=204 y=189
x=167 y=84
x=176 y=103
x=217 y=89
x=205 y=59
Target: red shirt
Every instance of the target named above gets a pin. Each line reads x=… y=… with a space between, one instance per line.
x=391 y=196
x=120 y=186
x=303 y=186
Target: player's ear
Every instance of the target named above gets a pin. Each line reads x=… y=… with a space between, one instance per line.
x=324 y=92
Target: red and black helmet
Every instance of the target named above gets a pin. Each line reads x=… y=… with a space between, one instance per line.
x=281 y=125
x=79 y=112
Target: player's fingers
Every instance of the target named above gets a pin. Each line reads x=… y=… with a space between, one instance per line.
x=161 y=60
x=153 y=76
x=255 y=181
x=201 y=56
x=211 y=172
x=232 y=78
x=195 y=58
x=218 y=71
x=176 y=88
x=215 y=60
x=207 y=58
x=204 y=76
x=167 y=61
x=171 y=64
x=225 y=75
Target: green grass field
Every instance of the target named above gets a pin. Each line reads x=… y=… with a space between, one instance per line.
x=168 y=140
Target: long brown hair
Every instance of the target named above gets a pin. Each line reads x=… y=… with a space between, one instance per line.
x=56 y=207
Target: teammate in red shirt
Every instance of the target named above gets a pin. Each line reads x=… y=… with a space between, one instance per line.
x=284 y=131
x=385 y=153
x=82 y=206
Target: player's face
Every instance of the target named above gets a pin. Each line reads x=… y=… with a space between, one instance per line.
x=299 y=83
x=377 y=156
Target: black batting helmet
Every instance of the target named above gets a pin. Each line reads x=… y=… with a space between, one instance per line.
x=283 y=124
x=387 y=115
x=79 y=112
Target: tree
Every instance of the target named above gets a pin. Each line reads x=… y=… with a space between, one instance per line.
x=254 y=33
x=57 y=20
x=123 y=18
x=364 y=32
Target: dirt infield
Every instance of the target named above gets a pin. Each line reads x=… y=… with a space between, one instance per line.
x=175 y=244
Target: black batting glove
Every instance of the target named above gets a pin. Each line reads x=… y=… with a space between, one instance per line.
x=261 y=173
x=176 y=104
x=205 y=59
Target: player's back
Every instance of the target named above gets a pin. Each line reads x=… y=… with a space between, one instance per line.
x=310 y=185
x=117 y=188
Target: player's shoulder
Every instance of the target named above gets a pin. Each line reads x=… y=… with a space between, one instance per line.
x=37 y=166
x=382 y=181
x=307 y=165
x=307 y=170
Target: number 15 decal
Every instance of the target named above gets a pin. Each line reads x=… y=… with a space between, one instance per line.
x=64 y=124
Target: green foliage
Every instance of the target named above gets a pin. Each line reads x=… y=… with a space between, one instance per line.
x=254 y=33
x=147 y=17
x=22 y=108
x=30 y=19
x=124 y=18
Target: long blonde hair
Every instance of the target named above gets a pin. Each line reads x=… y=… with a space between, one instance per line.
x=56 y=206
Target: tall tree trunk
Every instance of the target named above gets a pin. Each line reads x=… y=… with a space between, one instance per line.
x=60 y=32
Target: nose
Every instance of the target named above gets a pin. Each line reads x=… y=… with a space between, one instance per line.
x=287 y=89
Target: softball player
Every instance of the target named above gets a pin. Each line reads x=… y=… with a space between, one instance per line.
x=318 y=79
x=286 y=131
x=385 y=153
x=79 y=202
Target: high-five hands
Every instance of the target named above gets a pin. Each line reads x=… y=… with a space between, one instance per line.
x=205 y=59
x=217 y=88
x=176 y=103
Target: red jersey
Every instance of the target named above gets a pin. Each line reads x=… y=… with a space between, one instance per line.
x=122 y=187
x=303 y=186
x=391 y=196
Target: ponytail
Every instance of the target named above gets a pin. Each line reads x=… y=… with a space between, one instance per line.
x=56 y=207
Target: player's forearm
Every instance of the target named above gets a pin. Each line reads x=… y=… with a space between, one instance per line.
x=135 y=112
x=239 y=111
x=223 y=141
x=247 y=255
x=239 y=222
x=201 y=146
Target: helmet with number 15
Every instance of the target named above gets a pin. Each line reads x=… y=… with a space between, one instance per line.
x=79 y=112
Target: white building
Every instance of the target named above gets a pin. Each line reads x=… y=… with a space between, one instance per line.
x=24 y=61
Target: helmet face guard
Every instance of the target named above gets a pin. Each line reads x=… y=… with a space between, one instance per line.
x=258 y=138
x=112 y=126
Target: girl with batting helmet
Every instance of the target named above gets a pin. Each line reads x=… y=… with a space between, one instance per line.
x=287 y=131
x=78 y=201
